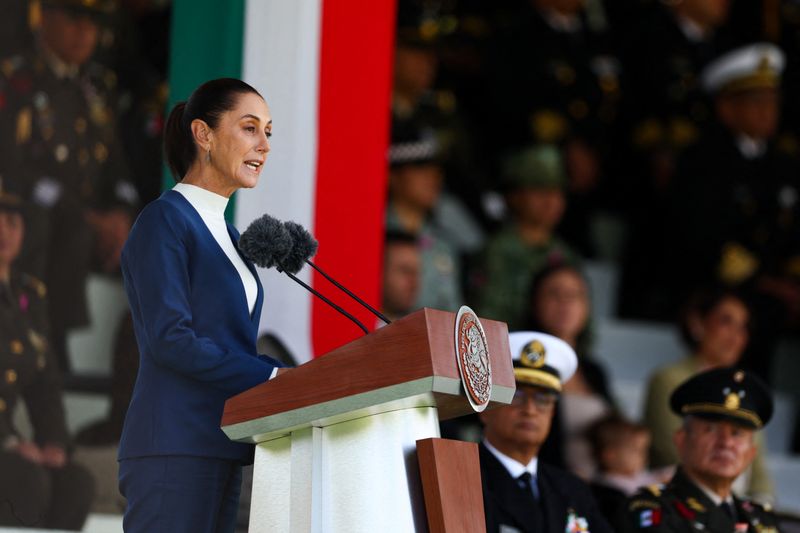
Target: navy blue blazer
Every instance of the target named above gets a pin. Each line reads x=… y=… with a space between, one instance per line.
x=197 y=340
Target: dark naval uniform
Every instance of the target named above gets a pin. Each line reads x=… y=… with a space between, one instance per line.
x=556 y=84
x=565 y=503
x=59 y=149
x=32 y=494
x=681 y=506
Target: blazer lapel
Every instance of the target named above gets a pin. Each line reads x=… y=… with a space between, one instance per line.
x=554 y=503
x=256 y=314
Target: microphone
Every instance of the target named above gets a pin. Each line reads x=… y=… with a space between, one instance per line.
x=304 y=247
x=268 y=243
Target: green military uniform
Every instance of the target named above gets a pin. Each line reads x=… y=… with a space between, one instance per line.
x=663 y=423
x=59 y=149
x=509 y=263
x=721 y=394
x=439 y=285
x=32 y=494
x=508 y=269
x=682 y=506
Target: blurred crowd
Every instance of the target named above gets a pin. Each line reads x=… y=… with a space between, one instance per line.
x=531 y=138
x=528 y=138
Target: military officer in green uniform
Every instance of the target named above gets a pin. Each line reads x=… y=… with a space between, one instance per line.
x=39 y=486
x=59 y=148
x=535 y=179
x=721 y=410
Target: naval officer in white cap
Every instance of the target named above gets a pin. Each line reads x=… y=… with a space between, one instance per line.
x=521 y=494
x=735 y=204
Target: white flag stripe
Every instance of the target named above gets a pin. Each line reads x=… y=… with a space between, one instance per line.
x=281 y=59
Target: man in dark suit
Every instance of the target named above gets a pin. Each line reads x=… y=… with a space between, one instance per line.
x=519 y=493
x=722 y=408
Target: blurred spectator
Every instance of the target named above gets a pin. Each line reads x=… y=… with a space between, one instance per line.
x=59 y=144
x=620 y=448
x=40 y=486
x=735 y=205
x=521 y=490
x=557 y=81
x=443 y=228
x=135 y=46
x=559 y=305
x=401 y=274
x=422 y=25
x=715 y=327
x=96 y=444
x=668 y=110
x=535 y=179
x=15 y=26
x=721 y=411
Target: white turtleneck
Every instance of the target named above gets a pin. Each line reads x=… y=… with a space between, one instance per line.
x=211 y=208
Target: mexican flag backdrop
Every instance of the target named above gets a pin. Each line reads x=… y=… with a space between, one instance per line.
x=324 y=67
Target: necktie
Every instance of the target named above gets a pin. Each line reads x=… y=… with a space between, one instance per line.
x=527 y=482
x=727 y=508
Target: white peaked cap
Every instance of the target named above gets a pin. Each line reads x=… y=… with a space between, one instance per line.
x=753 y=66
x=541 y=359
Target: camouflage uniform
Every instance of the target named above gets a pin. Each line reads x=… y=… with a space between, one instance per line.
x=508 y=270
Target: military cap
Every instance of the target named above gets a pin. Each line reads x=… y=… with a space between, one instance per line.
x=541 y=360
x=724 y=393
x=423 y=23
x=89 y=7
x=10 y=201
x=536 y=167
x=413 y=144
x=755 y=66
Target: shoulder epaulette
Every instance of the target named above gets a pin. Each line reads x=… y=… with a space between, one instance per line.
x=34 y=283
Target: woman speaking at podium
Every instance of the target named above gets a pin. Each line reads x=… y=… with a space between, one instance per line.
x=196 y=305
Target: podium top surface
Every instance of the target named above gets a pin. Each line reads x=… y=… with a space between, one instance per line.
x=411 y=362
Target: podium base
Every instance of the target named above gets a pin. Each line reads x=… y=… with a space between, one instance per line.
x=360 y=475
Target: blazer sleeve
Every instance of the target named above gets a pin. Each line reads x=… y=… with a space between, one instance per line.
x=156 y=271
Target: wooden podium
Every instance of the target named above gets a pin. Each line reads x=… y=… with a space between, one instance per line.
x=336 y=437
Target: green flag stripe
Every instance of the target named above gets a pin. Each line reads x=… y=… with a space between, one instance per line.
x=206 y=43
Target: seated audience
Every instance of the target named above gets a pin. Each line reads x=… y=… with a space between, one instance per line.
x=560 y=306
x=620 y=448
x=722 y=409
x=735 y=204
x=715 y=327
x=520 y=492
x=535 y=179
x=401 y=274
x=39 y=485
x=417 y=206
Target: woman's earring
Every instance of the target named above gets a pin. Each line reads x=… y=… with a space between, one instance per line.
x=208 y=155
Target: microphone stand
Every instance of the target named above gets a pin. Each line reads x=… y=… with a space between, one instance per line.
x=326 y=300
x=349 y=293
